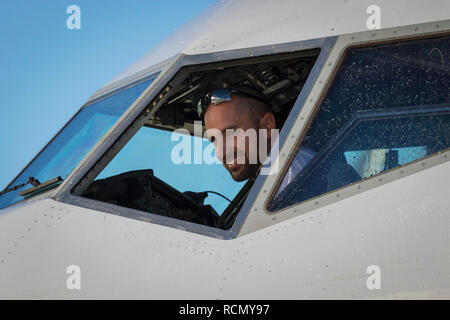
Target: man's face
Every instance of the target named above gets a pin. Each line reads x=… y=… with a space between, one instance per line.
x=235 y=115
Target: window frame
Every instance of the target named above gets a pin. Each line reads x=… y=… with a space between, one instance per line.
x=262 y=217
x=150 y=100
x=98 y=96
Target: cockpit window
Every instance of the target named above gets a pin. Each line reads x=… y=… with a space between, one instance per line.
x=169 y=166
x=151 y=174
x=76 y=139
x=388 y=105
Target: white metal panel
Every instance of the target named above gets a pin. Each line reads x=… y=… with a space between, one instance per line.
x=236 y=24
x=321 y=254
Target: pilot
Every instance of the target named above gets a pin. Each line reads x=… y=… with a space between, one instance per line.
x=243 y=107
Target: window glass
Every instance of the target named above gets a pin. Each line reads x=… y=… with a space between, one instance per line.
x=387 y=106
x=70 y=146
x=152 y=149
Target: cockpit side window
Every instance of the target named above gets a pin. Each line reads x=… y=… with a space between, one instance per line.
x=388 y=105
x=169 y=166
x=75 y=140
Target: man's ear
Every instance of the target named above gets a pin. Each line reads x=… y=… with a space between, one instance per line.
x=267 y=122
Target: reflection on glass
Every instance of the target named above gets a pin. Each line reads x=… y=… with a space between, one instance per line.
x=371 y=162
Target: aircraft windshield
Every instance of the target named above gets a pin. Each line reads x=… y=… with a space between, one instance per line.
x=76 y=139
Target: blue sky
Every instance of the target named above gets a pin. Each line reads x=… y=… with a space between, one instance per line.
x=48 y=71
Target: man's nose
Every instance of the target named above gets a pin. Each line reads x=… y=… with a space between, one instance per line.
x=219 y=152
x=223 y=148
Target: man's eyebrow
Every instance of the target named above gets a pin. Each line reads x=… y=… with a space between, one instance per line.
x=228 y=128
x=223 y=131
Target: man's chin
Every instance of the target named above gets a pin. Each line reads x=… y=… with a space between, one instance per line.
x=239 y=178
x=238 y=172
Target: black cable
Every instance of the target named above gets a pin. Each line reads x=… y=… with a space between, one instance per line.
x=209 y=191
